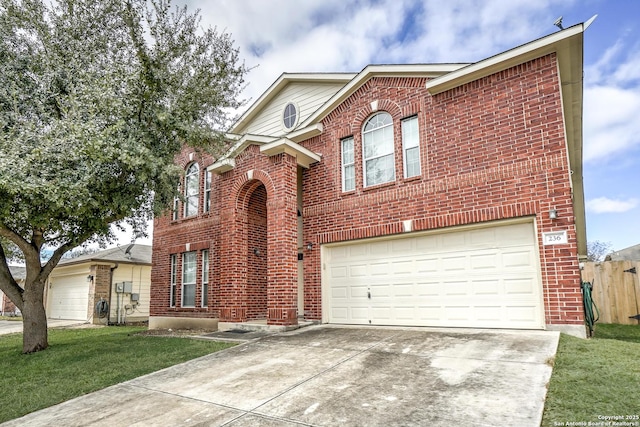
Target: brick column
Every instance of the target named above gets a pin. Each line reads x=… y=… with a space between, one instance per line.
x=282 y=244
x=233 y=274
x=101 y=282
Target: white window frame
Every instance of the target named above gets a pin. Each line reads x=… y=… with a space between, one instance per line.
x=410 y=143
x=385 y=130
x=192 y=190
x=204 y=298
x=348 y=165
x=189 y=267
x=285 y=116
x=173 y=261
x=176 y=204
x=207 y=190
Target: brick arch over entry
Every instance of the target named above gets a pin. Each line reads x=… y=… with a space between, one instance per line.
x=238 y=292
x=254 y=178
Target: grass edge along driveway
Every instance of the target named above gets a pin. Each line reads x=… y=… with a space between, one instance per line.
x=596 y=380
x=83 y=360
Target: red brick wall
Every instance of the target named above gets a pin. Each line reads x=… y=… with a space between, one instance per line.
x=491 y=149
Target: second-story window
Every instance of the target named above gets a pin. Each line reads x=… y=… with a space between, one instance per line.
x=207 y=191
x=377 y=147
x=411 y=147
x=348 y=165
x=191 y=190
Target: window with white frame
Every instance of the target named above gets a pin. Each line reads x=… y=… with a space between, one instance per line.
x=411 y=147
x=191 y=190
x=205 y=278
x=176 y=203
x=189 y=265
x=348 y=165
x=174 y=277
x=207 y=191
x=377 y=147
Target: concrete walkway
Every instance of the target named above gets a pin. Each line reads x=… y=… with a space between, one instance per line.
x=330 y=376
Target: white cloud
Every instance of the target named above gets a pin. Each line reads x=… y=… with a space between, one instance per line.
x=611 y=103
x=607 y=205
x=346 y=35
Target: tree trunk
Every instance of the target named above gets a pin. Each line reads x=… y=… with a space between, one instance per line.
x=34 y=323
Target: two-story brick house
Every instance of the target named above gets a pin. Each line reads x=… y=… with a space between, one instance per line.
x=444 y=195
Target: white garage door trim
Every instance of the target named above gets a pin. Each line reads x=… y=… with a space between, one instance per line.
x=68 y=297
x=483 y=276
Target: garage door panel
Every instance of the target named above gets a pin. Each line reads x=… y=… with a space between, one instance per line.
x=524 y=286
x=454 y=263
x=470 y=278
x=402 y=267
x=515 y=259
x=484 y=262
x=358 y=270
x=426 y=265
x=487 y=288
x=69 y=298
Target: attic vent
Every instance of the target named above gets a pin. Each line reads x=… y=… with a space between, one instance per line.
x=290 y=116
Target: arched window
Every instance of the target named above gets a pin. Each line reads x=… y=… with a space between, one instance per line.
x=377 y=147
x=191 y=190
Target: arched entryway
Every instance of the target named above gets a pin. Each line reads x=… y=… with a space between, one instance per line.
x=256 y=253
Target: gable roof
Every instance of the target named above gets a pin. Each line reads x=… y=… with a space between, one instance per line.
x=567 y=44
x=632 y=253
x=126 y=254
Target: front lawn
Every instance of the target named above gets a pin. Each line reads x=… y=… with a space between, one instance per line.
x=80 y=361
x=596 y=378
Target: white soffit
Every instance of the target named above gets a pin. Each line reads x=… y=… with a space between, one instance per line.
x=303 y=156
x=227 y=162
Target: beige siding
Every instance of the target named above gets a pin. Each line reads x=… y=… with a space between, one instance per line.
x=308 y=97
x=140 y=277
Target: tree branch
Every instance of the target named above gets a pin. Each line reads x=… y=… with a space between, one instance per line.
x=7 y=283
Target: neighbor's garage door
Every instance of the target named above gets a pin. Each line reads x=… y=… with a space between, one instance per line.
x=69 y=297
x=482 y=277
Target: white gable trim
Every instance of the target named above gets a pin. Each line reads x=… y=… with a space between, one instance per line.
x=279 y=84
x=303 y=156
x=535 y=49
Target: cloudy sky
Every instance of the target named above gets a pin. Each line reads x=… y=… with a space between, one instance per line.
x=277 y=36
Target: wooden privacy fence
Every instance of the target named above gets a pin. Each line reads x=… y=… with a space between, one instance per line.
x=616 y=290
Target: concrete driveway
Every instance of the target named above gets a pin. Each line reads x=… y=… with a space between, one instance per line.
x=330 y=376
x=15 y=326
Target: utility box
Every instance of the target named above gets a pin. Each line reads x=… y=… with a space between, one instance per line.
x=135 y=297
x=124 y=287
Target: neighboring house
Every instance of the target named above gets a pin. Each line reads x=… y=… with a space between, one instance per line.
x=7 y=307
x=632 y=253
x=119 y=276
x=444 y=195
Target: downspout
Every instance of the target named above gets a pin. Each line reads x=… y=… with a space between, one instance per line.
x=110 y=291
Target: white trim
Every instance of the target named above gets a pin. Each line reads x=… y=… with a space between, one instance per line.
x=502 y=61
x=303 y=156
x=280 y=83
x=297 y=117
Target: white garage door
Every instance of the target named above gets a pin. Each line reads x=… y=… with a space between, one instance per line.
x=69 y=297
x=482 y=277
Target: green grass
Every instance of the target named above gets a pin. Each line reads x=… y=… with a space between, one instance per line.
x=79 y=361
x=13 y=318
x=596 y=377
